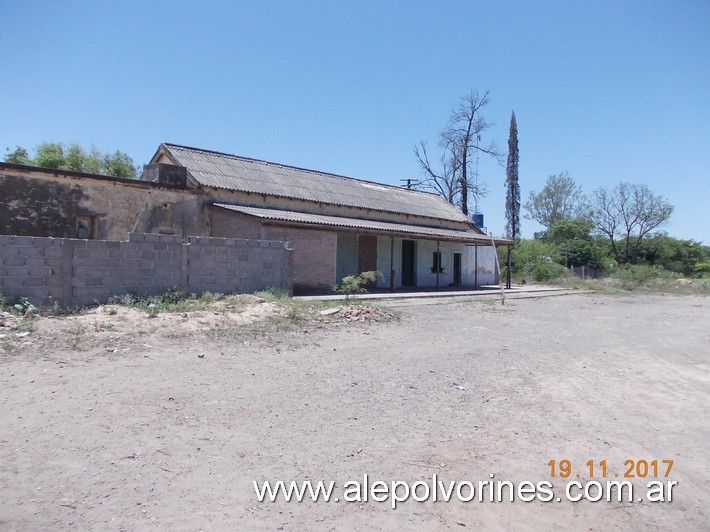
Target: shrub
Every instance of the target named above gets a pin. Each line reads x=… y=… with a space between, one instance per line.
x=358 y=284
x=171 y=296
x=702 y=269
x=24 y=306
x=641 y=274
x=542 y=272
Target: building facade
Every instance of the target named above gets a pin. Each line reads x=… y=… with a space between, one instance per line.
x=335 y=225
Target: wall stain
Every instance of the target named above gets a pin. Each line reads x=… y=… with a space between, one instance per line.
x=39 y=208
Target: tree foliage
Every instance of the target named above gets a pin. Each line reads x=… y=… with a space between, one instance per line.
x=574 y=243
x=570 y=229
x=512 y=198
x=625 y=214
x=674 y=254
x=535 y=260
x=561 y=198
x=459 y=141
x=18 y=156
x=74 y=158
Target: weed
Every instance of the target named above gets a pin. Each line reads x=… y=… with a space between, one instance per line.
x=24 y=307
x=273 y=293
x=171 y=296
x=99 y=327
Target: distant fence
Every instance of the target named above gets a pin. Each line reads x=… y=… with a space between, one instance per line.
x=587 y=273
x=76 y=272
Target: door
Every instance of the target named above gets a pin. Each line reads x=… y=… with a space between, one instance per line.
x=345 y=256
x=408 y=259
x=457 y=269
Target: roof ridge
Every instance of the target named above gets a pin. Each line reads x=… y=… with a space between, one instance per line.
x=309 y=170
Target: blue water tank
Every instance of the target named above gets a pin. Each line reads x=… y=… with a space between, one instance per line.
x=478 y=219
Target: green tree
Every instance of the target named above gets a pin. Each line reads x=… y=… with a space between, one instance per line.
x=119 y=165
x=625 y=214
x=512 y=199
x=49 y=155
x=535 y=260
x=93 y=161
x=570 y=229
x=561 y=198
x=674 y=254
x=75 y=159
x=18 y=156
x=574 y=243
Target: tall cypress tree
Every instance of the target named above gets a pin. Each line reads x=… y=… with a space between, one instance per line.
x=512 y=197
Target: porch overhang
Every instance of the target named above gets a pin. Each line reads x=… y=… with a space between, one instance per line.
x=301 y=219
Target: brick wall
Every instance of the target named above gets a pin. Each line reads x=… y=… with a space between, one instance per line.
x=366 y=253
x=230 y=224
x=80 y=272
x=314 y=256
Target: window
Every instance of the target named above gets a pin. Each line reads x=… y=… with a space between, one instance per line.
x=85 y=226
x=436 y=263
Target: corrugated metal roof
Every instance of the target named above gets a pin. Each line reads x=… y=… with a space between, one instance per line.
x=356 y=223
x=231 y=172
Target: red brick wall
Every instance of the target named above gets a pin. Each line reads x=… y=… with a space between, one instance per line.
x=229 y=224
x=366 y=253
x=314 y=253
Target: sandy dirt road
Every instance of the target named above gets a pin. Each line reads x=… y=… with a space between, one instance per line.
x=130 y=428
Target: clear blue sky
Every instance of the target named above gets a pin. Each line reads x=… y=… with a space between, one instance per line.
x=606 y=90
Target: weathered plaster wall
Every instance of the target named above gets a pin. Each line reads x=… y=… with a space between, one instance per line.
x=46 y=204
x=33 y=207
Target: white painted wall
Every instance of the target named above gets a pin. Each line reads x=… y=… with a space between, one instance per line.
x=487 y=273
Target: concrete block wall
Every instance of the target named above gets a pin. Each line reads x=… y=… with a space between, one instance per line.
x=235 y=265
x=76 y=272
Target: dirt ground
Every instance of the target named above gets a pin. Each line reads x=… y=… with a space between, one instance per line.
x=113 y=421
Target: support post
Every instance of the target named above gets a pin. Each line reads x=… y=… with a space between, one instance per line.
x=392 y=264
x=507 y=272
x=438 y=264
x=475 y=267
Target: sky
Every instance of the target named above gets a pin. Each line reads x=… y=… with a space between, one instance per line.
x=608 y=91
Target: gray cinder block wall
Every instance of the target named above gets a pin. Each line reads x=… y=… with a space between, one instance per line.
x=82 y=272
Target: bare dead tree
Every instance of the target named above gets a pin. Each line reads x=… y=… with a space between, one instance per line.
x=443 y=181
x=459 y=141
